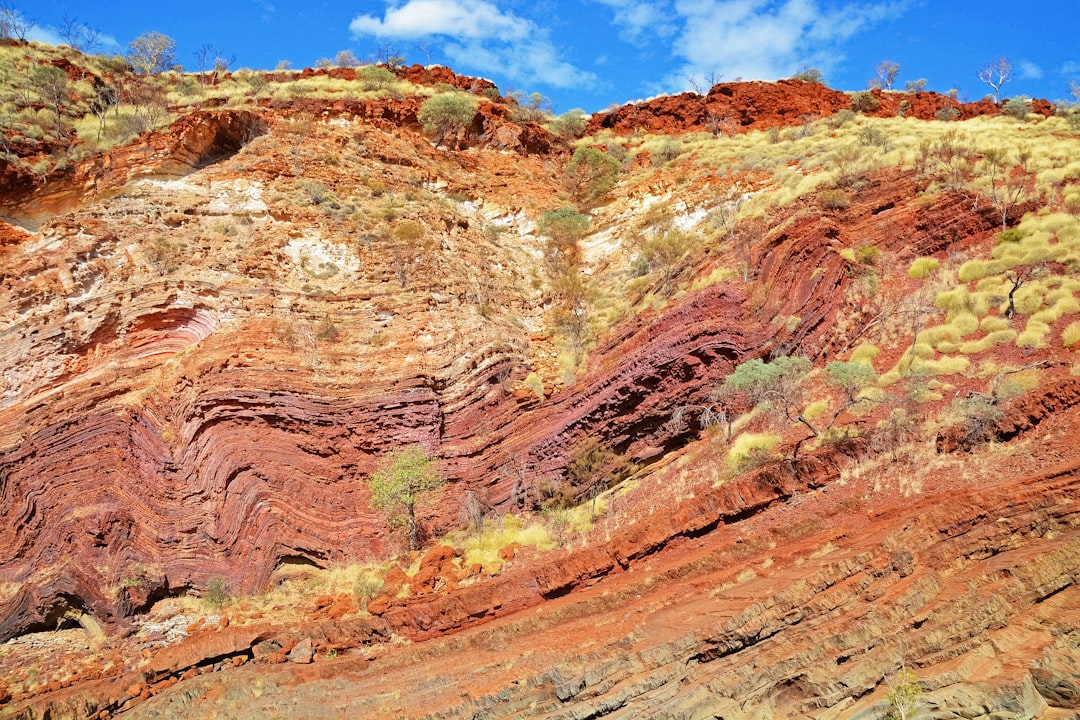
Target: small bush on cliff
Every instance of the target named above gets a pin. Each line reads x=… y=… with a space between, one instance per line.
x=751 y=450
x=591 y=174
x=947 y=114
x=834 y=199
x=447 y=113
x=1017 y=107
x=375 y=77
x=664 y=253
x=403 y=476
x=367 y=587
x=808 y=74
x=570 y=125
x=217 y=593
x=923 y=266
x=903 y=697
x=864 y=101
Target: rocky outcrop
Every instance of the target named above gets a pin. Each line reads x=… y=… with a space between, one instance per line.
x=737 y=107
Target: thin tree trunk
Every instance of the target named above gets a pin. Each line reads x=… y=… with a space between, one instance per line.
x=413 y=544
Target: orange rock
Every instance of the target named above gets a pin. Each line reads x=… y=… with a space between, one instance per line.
x=379 y=605
x=424 y=580
x=342 y=608
x=394 y=581
x=507 y=553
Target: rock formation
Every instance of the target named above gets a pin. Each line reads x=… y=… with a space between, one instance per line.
x=213 y=334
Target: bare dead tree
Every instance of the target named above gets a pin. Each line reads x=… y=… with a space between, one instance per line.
x=996 y=74
x=1008 y=184
x=79 y=36
x=13 y=24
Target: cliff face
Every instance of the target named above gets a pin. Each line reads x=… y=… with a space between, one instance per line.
x=212 y=335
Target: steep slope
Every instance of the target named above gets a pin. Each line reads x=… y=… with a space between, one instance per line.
x=214 y=334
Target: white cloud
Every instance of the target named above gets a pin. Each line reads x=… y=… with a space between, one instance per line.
x=766 y=39
x=1029 y=70
x=455 y=18
x=639 y=21
x=480 y=37
x=1071 y=67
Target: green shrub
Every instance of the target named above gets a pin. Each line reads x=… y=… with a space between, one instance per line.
x=864 y=101
x=565 y=225
x=841 y=118
x=217 y=593
x=570 y=125
x=947 y=114
x=669 y=150
x=923 y=266
x=808 y=74
x=1071 y=334
x=591 y=174
x=1012 y=235
x=376 y=77
x=447 y=112
x=663 y=253
x=872 y=136
x=834 y=199
x=750 y=450
x=367 y=587
x=977 y=415
x=1017 y=107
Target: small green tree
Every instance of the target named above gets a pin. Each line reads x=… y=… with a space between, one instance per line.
x=591 y=174
x=779 y=383
x=217 y=593
x=864 y=101
x=152 y=52
x=851 y=378
x=903 y=697
x=375 y=77
x=446 y=113
x=570 y=125
x=403 y=476
x=1017 y=107
x=562 y=229
x=535 y=107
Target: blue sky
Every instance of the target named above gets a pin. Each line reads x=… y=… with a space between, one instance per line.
x=593 y=53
